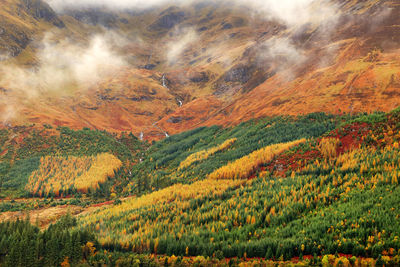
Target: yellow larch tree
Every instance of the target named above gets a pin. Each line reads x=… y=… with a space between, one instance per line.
x=245 y=166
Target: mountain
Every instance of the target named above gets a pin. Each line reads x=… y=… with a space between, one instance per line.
x=186 y=66
x=199 y=133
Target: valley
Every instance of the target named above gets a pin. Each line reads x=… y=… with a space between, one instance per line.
x=199 y=133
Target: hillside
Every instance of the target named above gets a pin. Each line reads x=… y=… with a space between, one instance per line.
x=336 y=193
x=51 y=162
x=171 y=69
x=199 y=133
x=287 y=187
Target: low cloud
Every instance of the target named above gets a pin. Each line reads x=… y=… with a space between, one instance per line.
x=182 y=40
x=60 y=5
x=286 y=50
x=62 y=66
x=8 y=112
x=294 y=12
x=290 y=12
x=282 y=55
x=4 y=56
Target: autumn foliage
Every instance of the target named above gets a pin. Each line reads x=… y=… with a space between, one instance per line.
x=245 y=166
x=341 y=198
x=204 y=154
x=59 y=175
x=328 y=146
x=129 y=210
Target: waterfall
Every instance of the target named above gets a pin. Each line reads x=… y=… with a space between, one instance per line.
x=163 y=81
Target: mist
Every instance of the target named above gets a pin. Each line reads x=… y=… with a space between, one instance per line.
x=289 y=12
x=4 y=56
x=294 y=12
x=282 y=51
x=176 y=47
x=62 y=66
x=60 y=5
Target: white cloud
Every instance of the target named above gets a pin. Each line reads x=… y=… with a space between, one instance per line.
x=181 y=41
x=63 y=64
x=284 y=49
x=294 y=12
x=282 y=55
x=290 y=12
x=8 y=112
x=4 y=56
x=60 y=5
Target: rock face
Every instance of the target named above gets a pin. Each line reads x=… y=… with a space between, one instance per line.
x=149 y=66
x=239 y=73
x=168 y=19
x=227 y=26
x=94 y=16
x=199 y=77
x=13 y=40
x=41 y=10
x=177 y=119
x=14 y=35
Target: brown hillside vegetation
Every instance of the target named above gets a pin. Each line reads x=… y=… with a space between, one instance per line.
x=223 y=75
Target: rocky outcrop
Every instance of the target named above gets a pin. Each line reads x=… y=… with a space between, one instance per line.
x=239 y=73
x=199 y=77
x=41 y=10
x=149 y=66
x=95 y=16
x=244 y=77
x=169 y=18
x=15 y=36
x=13 y=40
x=178 y=119
x=227 y=26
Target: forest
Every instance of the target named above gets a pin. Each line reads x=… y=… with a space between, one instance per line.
x=316 y=189
x=23 y=244
x=30 y=150
x=65 y=175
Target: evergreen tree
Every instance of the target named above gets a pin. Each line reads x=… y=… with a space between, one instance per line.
x=76 y=247
x=379 y=261
x=269 y=255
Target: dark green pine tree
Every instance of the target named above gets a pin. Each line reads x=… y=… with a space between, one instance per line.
x=3 y=245
x=27 y=251
x=279 y=252
x=287 y=254
x=39 y=251
x=20 y=252
x=68 y=247
x=11 y=258
x=269 y=255
x=379 y=261
x=76 y=253
x=52 y=251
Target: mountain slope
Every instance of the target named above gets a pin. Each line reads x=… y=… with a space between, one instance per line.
x=337 y=193
x=185 y=66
